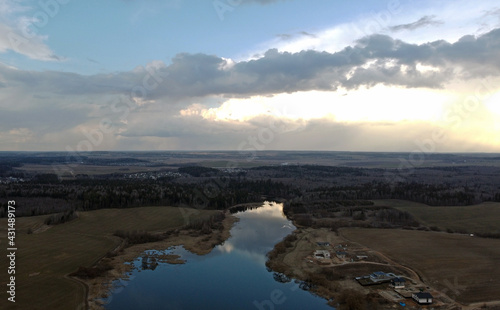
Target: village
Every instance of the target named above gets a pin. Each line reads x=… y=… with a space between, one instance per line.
x=400 y=290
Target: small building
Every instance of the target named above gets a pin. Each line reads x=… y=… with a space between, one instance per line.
x=398 y=282
x=381 y=277
x=341 y=254
x=422 y=298
x=323 y=243
x=321 y=254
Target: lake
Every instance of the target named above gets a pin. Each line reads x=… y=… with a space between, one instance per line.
x=233 y=276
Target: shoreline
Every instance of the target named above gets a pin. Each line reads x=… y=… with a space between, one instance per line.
x=333 y=278
x=201 y=244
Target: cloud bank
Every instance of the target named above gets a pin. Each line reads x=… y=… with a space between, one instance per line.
x=48 y=110
x=376 y=59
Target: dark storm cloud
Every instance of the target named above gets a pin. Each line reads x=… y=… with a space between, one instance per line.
x=366 y=63
x=428 y=20
x=376 y=59
x=64 y=83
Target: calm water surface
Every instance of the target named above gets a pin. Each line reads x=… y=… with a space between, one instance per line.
x=233 y=276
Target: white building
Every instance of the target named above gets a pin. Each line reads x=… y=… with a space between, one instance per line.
x=321 y=254
x=422 y=298
x=398 y=282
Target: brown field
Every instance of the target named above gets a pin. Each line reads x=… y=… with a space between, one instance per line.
x=465 y=268
x=45 y=257
x=483 y=218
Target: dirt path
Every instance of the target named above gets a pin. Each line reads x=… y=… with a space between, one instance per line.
x=295 y=261
x=86 y=288
x=85 y=304
x=417 y=276
x=478 y=305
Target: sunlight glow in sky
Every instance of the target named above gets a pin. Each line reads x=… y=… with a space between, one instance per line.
x=393 y=104
x=184 y=74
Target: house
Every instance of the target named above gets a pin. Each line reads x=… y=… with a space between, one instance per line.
x=422 y=298
x=381 y=277
x=321 y=254
x=341 y=254
x=378 y=275
x=398 y=282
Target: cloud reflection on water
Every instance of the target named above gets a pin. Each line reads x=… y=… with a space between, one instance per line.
x=257 y=232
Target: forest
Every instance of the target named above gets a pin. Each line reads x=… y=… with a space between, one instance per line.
x=208 y=188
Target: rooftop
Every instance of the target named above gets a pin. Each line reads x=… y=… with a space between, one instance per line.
x=423 y=295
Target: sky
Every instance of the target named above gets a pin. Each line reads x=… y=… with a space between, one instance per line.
x=250 y=75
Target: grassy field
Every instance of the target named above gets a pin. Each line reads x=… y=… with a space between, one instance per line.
x=465 y=268
x=43 y=259
x=484 y=218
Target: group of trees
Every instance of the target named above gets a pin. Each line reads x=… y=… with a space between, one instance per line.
x=6 y=167
x=431 y=194
x=94 y=271
x=61 y=218
x=91 y=194
x=346 y=213
x=396 y=217
x=206 y=225
x=138 y=237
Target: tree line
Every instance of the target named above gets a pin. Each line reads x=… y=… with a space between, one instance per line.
x=45 y=193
